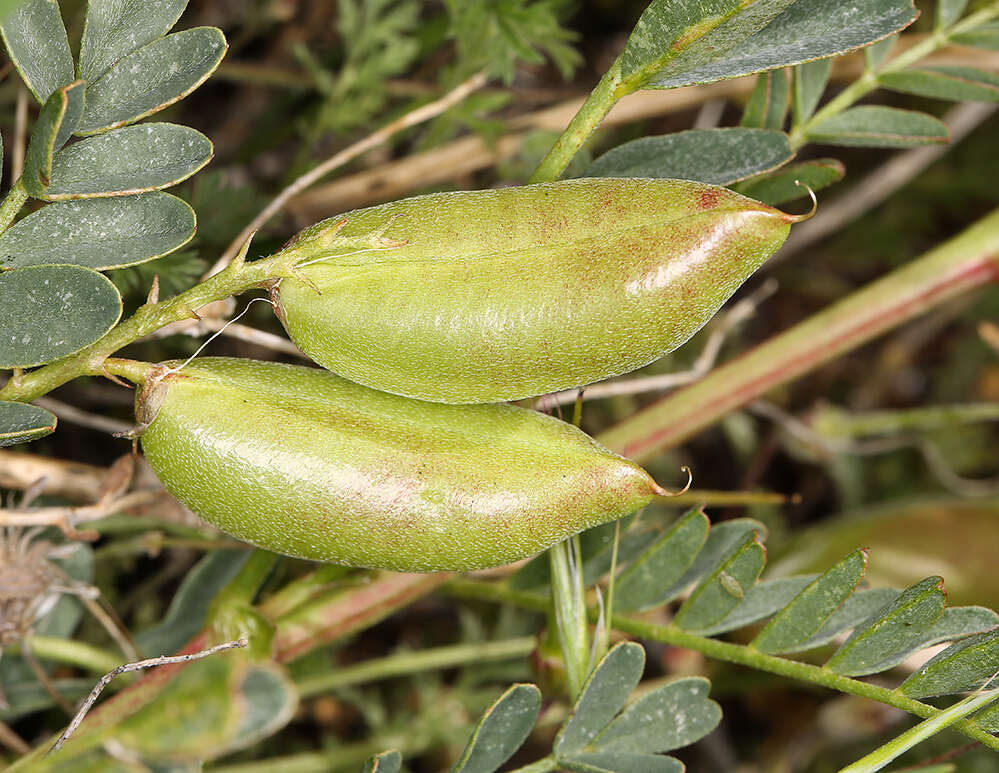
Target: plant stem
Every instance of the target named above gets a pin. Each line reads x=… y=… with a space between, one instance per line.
x=541 y=766
x=245 y=586
x=902 y=743
x=405 y=663
x=869 y=80
x=74 y=653
x=90 y=361
x=838 y=422
x=732 y=653
x=969 y=260
x=603 y=97
x=12 y=204
x=569 y=604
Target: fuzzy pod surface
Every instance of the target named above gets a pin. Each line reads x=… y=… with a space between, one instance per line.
x=482 y=296
x=302 y=462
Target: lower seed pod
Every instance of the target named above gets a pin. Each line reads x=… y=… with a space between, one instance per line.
x=302 y=462
x=482 y=296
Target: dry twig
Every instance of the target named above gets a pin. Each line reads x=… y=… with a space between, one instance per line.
x=136 y=666
x=74 y=415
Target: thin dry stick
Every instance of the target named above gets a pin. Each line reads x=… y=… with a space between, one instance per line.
x=881 y=183
x=74 y=415
x=739 y=313
x=127 y=667
x=110 y=622
x=241 y=333
x=67 y=518
x=73 y=480
x=413 y=118
x=20 y=133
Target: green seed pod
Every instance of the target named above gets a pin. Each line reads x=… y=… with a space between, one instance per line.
x=482 y=296
x=302 y=462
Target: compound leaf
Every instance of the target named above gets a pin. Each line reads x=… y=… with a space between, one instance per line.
x=983 y=36
x=133 y=159
x=36 y=41
x=725 y=538
x=808 y=85
x=22 y=423
x=769 y=101
x=956 y=83
x=151 y=78
x=762 y=600
x=56 y=121
x=718 y=156
x=807 y=613
x=807 y=30
x=673 y=716
x=99 y=233
x=895 y=627
x=880 y=127
x=948 y=12
x=604 y=693
x=501 y=730
x=725 y=588
x=858 y=608
x=47 y=312
x=671 y=39
x=965 y=665
x=114 y=29
x=641 y=584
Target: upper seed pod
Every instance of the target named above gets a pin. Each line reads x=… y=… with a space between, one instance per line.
x=299 y=461
x=482 y=296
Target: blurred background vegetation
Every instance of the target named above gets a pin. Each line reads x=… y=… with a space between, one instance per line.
x=305 y=78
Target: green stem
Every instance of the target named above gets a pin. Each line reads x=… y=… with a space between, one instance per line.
x=12 y=204
x=244 y=587
x=837 y=422
x=869 y=80
x=568 y=602
x=414 y=662
x=710 y=498
x=90 y=361
x=902 y=743
x=969 y=260
x=73 y=653
x=603 y=97
x=732 y=653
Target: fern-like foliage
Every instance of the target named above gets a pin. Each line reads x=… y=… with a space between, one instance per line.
x=497 y=33
x=379 y=42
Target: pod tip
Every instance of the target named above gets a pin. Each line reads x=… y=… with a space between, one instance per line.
x=660 y=491
x=808 y=215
